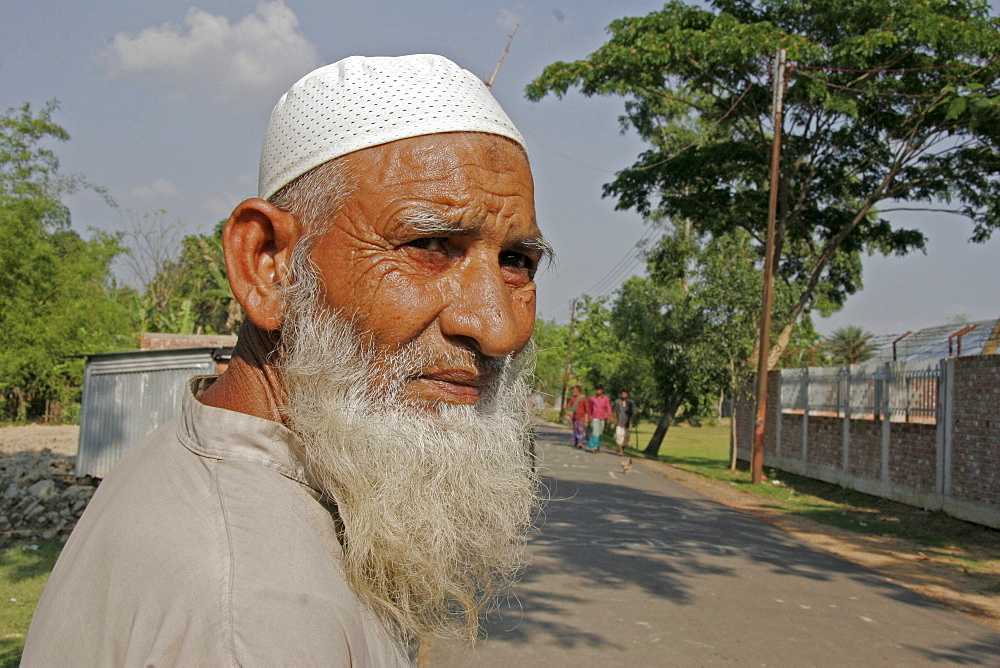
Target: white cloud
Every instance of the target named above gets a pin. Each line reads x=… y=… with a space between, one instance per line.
x=247 y=180
x=220 y=205
x=510 y=18
x=260 y=55
x=158 y=189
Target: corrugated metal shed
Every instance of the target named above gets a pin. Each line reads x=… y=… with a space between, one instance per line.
x=127 y=395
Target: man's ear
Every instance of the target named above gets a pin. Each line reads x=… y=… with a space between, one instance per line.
x=257 y=240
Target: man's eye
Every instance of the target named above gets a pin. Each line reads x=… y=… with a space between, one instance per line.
x=432 y=244
x=517 y=261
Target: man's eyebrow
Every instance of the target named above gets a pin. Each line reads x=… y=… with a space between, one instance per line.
x=538 y=245
x=429 y=222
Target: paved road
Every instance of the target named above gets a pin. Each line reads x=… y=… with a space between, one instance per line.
x=636 y=570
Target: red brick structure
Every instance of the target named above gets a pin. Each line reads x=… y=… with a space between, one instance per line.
x=949 y=463
x=975 y=439
x=161 y=341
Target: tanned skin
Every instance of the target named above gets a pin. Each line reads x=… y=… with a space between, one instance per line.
x=462 y=284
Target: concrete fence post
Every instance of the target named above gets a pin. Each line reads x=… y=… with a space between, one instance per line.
x=846 y=431
x=805 y=416
x=945 y=426
x=777 y=416
x=888 y=381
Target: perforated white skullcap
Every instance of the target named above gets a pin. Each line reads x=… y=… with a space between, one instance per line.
x=361 y=102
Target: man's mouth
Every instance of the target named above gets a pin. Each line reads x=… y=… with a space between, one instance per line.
x=455 y=386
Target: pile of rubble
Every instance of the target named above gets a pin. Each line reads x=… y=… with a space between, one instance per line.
x=41 y=496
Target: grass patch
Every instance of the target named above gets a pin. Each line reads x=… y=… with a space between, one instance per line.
x=705 y=450
x=23 y=573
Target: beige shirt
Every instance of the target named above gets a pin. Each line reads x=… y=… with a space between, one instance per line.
x=206 y=546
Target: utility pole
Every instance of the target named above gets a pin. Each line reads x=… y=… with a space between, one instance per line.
x=764 y=347
x=569 y=349
x=496 y=70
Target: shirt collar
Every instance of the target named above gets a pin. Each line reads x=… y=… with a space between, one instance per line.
x=218 y=433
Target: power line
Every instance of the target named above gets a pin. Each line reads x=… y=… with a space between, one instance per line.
x=628 y=261
x=614 y=281
x=625 y=266
x=576 y=162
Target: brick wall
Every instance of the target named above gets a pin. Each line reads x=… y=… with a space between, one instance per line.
x=969 y=443
x=773 y=411
x=913 y=456
x=826 y=441
x=865 y=452
x=744 y=427
x=746 y=411
x=162 y=341
x=791 y=436
x=975 y=458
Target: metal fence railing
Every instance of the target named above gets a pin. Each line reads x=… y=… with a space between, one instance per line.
x=863 y=392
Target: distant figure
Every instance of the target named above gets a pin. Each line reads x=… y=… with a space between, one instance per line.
x=578 y=414
x=623 y=412
x=600 y=409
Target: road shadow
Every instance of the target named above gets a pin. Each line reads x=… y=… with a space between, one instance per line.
x=637 y=533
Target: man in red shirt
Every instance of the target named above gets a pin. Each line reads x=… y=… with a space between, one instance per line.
x=600 y=410
x=578 y=413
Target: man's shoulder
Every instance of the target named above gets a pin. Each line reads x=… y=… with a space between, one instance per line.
x=181 y=557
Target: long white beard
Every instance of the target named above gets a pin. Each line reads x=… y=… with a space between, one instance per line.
x=435 y=502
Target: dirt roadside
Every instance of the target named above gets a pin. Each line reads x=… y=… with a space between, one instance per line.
x=60 y=439
x=937 y=574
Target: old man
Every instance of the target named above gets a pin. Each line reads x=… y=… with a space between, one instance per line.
x=357 y=480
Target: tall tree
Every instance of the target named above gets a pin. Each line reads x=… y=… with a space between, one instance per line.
x=56 y=294
x=850 y=345
x=691 y=322
x=890 y=105
x=550 y=357
x=205 y=282
x=184 y=285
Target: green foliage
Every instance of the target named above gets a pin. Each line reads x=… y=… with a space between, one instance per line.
x=680 y=337
x=596 y=357
x=550 y=348
x=24 y=570
x=183 y=293
x=598 y=354
x=712 y=295
x=806 y=347
x=56 y=294
x=887 y=101
x=850 y=345
x=205 y=283
x=665 y=336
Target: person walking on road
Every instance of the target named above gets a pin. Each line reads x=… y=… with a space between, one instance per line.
x=623 y=414
x=578 y=413
x=600 y=410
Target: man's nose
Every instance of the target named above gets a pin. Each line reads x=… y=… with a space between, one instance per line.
x=484 y=311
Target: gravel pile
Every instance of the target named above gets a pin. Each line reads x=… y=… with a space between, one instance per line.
x=41 y=496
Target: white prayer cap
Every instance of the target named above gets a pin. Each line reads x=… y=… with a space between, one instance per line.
x=360 y=102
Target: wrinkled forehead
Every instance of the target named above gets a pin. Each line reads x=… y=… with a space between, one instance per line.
x=453 y=184
x=437 y=155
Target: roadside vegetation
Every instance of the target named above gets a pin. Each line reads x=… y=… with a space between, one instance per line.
x=24 y=569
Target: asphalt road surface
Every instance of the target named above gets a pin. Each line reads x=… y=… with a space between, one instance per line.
x=636 y=570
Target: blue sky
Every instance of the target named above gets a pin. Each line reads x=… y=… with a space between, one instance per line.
x=167 y=101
